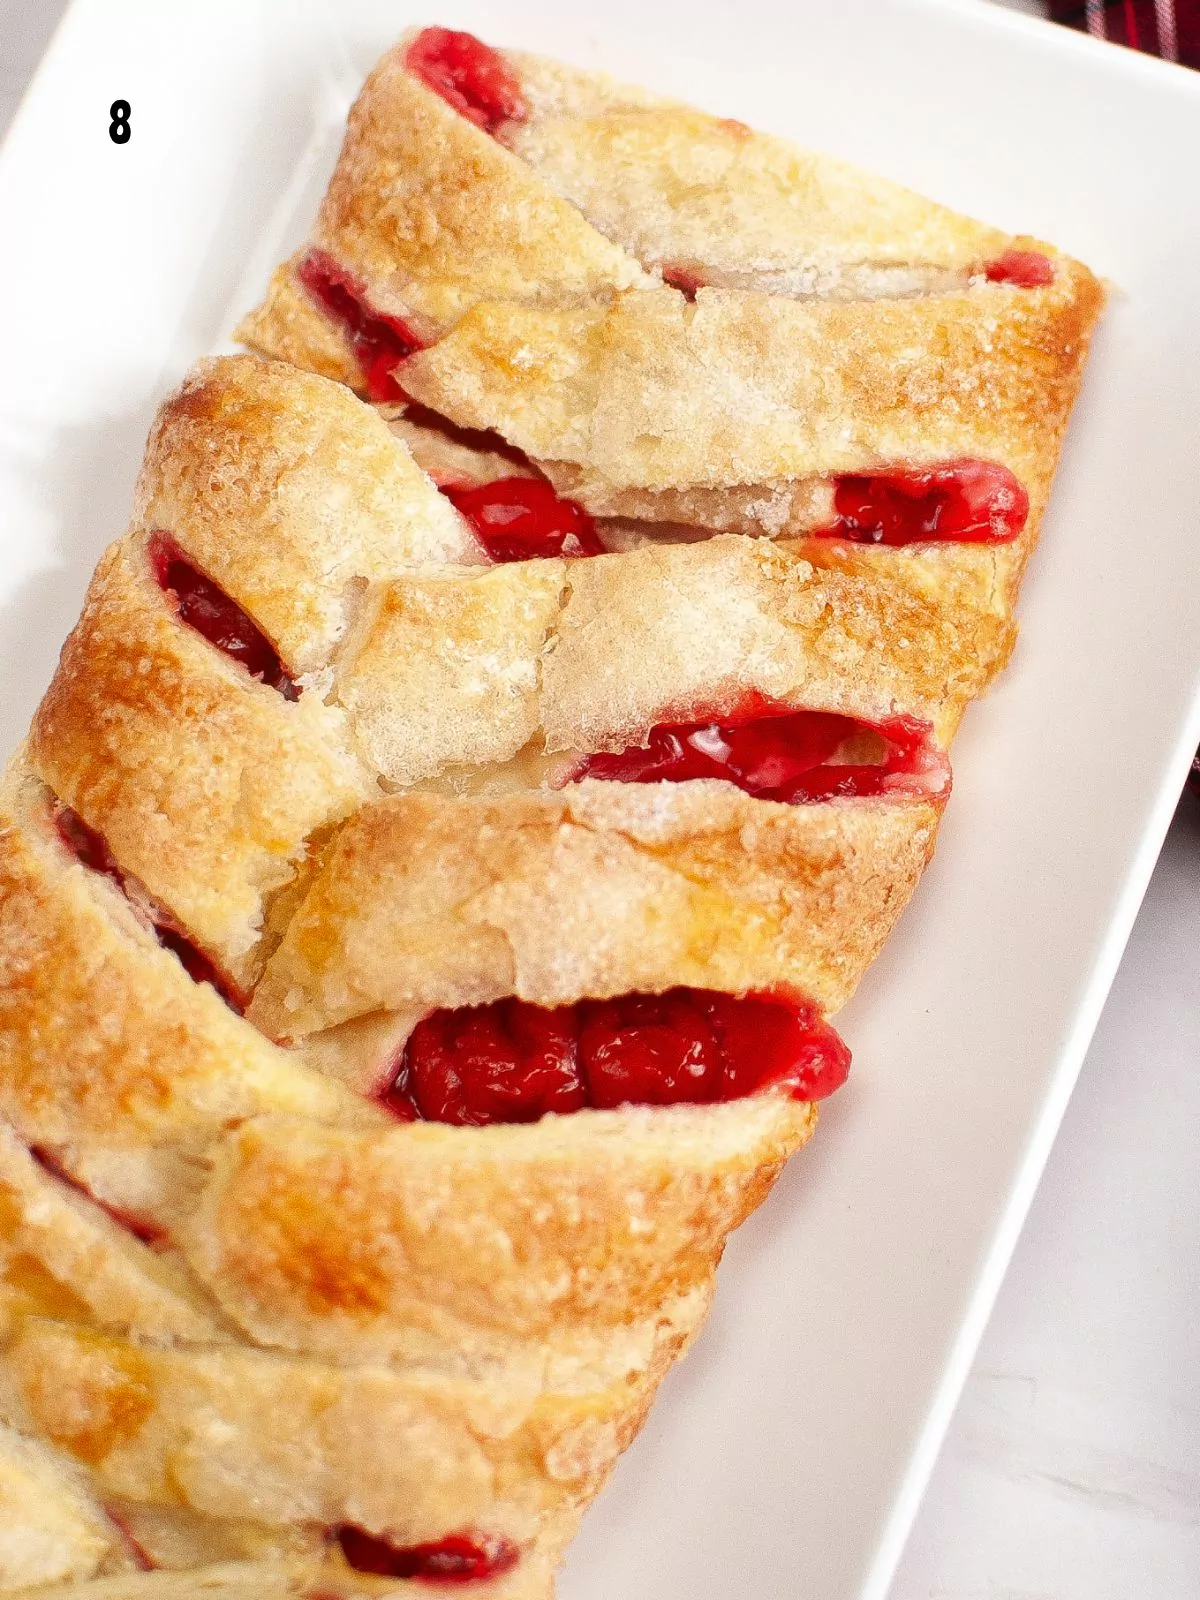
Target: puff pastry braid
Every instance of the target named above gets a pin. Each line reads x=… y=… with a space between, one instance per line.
x=685 y=325
x=416 y=957
x=310 y=757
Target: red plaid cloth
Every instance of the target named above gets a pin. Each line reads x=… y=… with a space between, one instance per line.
x=1167 y=28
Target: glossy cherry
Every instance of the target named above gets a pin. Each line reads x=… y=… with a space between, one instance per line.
x=507 y=1062
x=523 y=519
x=964 y=502
x=1024 y=269
x=380 y=342
x=515 y=1062
x=469 y=75
x=775 y=753
x=203 y=605
x=458 y=1558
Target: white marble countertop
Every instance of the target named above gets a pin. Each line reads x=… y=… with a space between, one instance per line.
x=1072 y=1468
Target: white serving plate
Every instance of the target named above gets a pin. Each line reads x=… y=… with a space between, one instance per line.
x=785 y=1459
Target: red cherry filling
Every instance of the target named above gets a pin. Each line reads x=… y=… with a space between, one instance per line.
x=458 y=1558
x=380 y=342
x=469 y=75
x=680 y=278
x=217 y=618
x=522 y=519
x=91 y=850
x=1024 y=269
x=775 y=753
x=515 y=1062
x=508 y=1062
x=966 y=502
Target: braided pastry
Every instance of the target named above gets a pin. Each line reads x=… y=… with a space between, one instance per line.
x=683 y=323
x=458 y=811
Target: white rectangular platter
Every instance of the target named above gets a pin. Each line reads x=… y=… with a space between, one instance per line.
x=785 y=1458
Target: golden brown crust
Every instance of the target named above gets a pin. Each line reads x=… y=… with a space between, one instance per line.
x=690 y=628
x=306 y=1443
x=332 y=1242
x=718 y=199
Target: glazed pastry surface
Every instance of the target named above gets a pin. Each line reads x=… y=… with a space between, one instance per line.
x=512 y=722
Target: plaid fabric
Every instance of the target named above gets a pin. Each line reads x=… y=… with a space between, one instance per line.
x=1168 y=28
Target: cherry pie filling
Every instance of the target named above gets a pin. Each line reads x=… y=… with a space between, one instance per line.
x=209 y=610
x=91 y=850
x=1024 y=269
x=469 y=75
x=523 y=519
x=380 y=342
x=776 y=753
x=514 y=1062
x=963 y=502
x=458 y=1558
